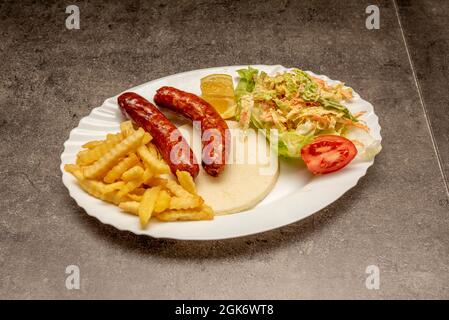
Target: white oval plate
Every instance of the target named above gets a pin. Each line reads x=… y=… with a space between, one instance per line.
x=297 y=193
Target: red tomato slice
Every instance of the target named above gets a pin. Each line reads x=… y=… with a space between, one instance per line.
x=328 y=153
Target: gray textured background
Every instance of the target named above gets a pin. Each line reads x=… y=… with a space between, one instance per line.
x=396 y=217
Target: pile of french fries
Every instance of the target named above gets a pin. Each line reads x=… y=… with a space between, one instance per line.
x=127 y=170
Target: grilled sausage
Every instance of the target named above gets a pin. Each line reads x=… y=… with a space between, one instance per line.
x=166 y=136
x=213 y=128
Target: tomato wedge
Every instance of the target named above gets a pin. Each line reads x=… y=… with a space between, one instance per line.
x=328 y=153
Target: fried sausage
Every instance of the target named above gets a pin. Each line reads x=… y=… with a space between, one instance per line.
x=166 y=136
x=213 y=128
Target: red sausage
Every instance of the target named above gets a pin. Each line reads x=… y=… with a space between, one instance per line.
x=213 y=127
x=165 y=134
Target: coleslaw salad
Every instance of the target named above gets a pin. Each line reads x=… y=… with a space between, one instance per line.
x=301 y=107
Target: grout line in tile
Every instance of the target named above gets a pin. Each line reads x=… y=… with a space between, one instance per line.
x=421 y=98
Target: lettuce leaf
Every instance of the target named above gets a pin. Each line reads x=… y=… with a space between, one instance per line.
x=247 y=81
x=246 y=85
x=332 y=104
x=291 y=142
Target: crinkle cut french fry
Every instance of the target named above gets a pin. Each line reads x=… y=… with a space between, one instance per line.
x=162 y=202
x=98 y=190
x=132 y=173
x=204 y=213
x=147 y=138
x=176 y=189
x=135 y=197
x=87 y=157
x=130 y=207
x=153 y=150
x=115 y=173
x=127 y=128
x=147 y=175
x=134 y=184
x=129 y=186
x=146 y=206
x=92 y=144
x=106 y=162
x=151 y=161
x=111 y=196
x=186 y=181
x=114 y=186
x=156 y=181
x=185 y=202
x=95 y=188
x=75 y=170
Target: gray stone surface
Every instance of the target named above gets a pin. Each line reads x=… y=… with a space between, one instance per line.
x=426 y=26
x=52 y=77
